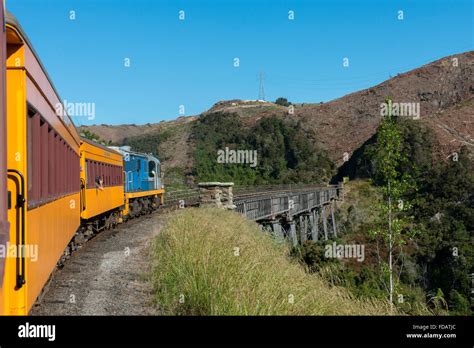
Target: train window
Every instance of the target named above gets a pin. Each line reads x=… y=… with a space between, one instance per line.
x=62 y=169
x=70 y=169
x=29 y=139
x=91 y=174
x=151 y=169
x=98 y=170
x=86 y=172
x=92 y=177
x=57 y=154
x=51 y=163
x=95 y=173
x=36 y=158
x=103 y=172
x=44 y=159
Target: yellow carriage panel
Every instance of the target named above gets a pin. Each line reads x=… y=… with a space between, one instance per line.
x=50 y=228
x=98 y=202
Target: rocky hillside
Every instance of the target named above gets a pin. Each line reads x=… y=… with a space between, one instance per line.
x=444 y=90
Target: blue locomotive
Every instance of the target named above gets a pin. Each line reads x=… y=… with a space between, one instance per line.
x=143 y=183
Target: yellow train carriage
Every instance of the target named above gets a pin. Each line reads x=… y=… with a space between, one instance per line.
x=43 y=176
x=102 y=193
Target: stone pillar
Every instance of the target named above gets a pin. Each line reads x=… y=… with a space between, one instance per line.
x=216 y=194
x=227 y=197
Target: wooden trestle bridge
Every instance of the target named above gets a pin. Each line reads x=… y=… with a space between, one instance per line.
x=295 y=212
x=298 y=214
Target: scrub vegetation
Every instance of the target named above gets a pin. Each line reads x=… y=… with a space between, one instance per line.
x=285 y=154
x=435 y=256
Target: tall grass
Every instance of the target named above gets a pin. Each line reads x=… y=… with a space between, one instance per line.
x=214 y=262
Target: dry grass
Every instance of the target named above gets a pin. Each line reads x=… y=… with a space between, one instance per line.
x=214 y=262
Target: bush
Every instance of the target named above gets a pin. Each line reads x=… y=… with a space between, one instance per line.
x=459 y=305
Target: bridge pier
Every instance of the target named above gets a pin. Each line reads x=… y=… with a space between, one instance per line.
x=303 y=228
x=292 y=233
x=277 y=229
x=325 y=223
x=314 y=224
x=334 y=231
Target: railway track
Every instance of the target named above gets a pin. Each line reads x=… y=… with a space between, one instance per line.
x=108 y=275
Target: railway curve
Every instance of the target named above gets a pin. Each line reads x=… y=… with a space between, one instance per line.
x=108 y=275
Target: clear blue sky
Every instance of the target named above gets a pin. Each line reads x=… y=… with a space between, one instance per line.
x=190 y=62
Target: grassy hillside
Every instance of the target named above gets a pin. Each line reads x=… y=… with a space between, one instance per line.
x=214 y=262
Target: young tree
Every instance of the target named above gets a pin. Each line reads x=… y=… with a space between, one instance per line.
x=392 y=226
